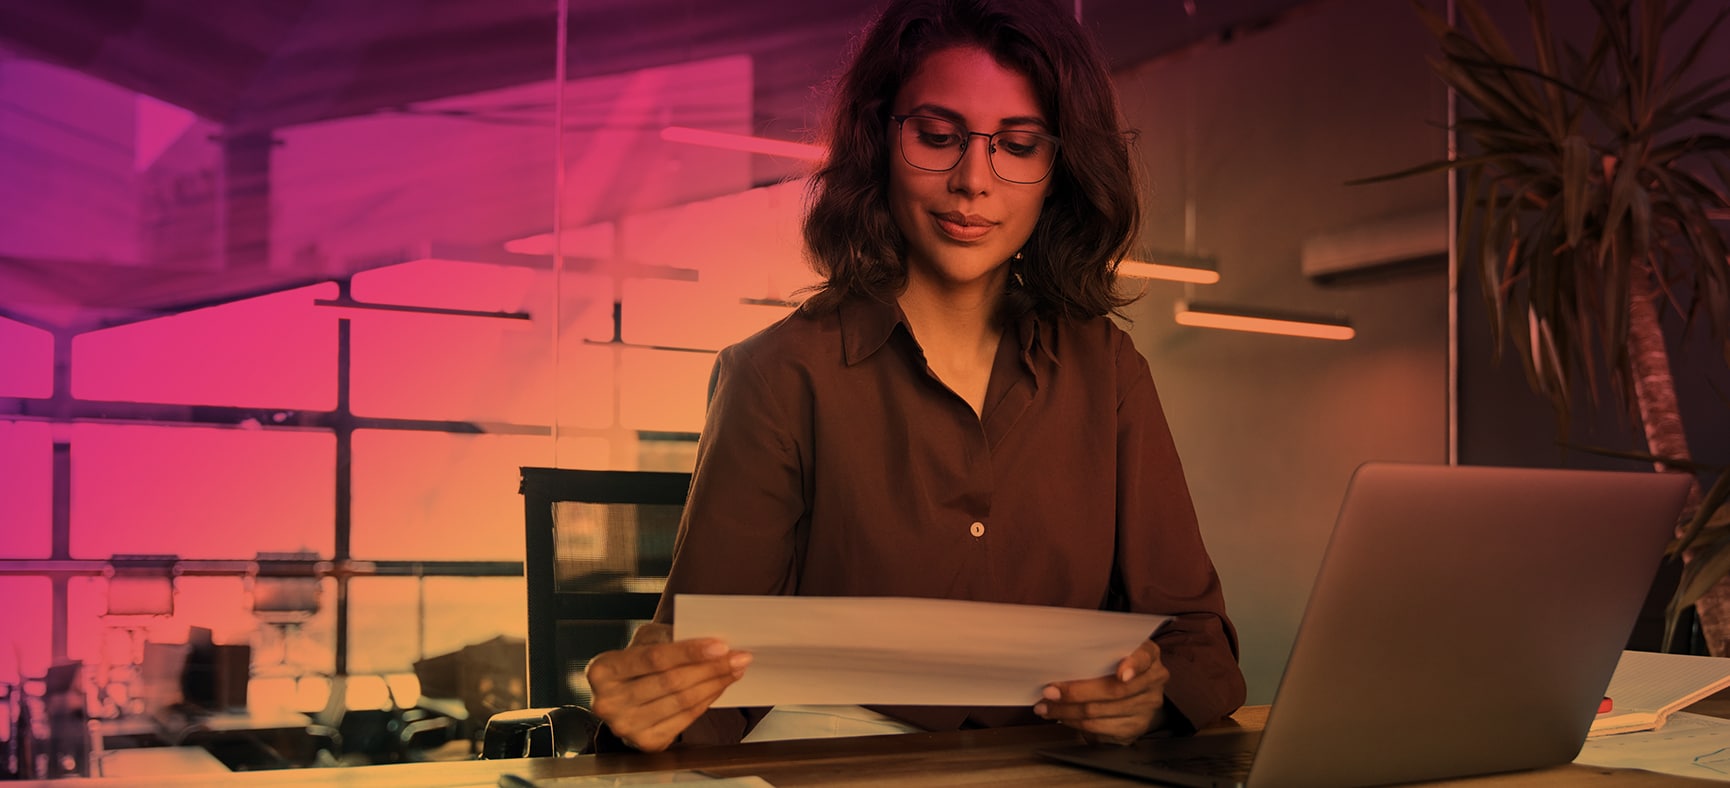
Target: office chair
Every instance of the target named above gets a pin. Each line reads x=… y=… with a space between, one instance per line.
x=598 y=546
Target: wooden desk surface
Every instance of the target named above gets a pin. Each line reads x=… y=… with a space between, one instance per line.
x=1003 y=756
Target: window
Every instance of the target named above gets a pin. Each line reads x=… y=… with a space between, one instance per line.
x=26 y=489
x=200 y=492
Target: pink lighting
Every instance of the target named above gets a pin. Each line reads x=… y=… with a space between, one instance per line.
x=26 y=360
x=1136 y=269
x=1258 y=322
x=274 y=351
x=743 y=142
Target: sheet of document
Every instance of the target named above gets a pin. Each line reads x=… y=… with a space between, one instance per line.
x=1689 y=745
x=900 y=651
x=630 y=779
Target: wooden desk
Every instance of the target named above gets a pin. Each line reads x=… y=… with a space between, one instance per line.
x=994 y=757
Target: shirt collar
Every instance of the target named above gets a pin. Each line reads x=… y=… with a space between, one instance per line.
x=867 y=323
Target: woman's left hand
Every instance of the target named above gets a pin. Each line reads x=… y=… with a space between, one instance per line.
x=1116 y=709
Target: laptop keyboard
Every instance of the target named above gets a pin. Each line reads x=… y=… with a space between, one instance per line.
x=1224 y=764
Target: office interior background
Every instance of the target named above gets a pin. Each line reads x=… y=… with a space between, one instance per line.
x=302 y=285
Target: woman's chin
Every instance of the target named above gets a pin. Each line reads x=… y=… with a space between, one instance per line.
x=959 y=276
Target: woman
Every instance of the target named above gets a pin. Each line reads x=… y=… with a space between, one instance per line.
x=951 y=414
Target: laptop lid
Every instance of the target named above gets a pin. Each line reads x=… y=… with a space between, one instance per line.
x=1465 y=620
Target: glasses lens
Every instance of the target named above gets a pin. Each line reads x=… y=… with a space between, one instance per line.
x=1022 y=156
x=1017 y=156
x=931 y=144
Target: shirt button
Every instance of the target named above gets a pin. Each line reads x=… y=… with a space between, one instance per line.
x=978 y=529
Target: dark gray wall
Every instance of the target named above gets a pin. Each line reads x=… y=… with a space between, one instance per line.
x=1260 y=132
x=1264 y=130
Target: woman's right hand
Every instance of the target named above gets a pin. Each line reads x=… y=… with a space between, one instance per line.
x=652 y=690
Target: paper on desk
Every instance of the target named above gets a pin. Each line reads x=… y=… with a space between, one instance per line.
x=900 y=651
x=1689 y=745
x=633 y=779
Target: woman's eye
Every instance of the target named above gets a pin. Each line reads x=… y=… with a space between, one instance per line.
x=1019 y=145
x=938 y=139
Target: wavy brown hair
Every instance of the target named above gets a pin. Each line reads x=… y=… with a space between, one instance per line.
x=1068 y=266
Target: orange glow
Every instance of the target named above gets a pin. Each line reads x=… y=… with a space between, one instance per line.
x=743 y=142
x=1187 y=316
x=1171 y=273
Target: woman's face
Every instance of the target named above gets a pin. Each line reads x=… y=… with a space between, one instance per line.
x=963 y=224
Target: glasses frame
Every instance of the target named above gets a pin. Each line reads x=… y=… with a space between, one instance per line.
x=967 y=138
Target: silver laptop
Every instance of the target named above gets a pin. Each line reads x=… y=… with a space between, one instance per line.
x=1465 y=620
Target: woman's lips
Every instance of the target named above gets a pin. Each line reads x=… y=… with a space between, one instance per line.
x=962 y=227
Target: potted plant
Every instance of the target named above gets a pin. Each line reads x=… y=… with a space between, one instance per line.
x=1592 y=184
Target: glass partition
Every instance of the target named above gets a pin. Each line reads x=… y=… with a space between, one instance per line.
x=299 y=289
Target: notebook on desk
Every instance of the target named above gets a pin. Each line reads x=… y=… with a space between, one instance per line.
x=1464 y=621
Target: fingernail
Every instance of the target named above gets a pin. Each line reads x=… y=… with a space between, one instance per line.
x=1125 y=675
x=1052 y=693
x=715 y=649
x=739 y=659
x=1040 y=709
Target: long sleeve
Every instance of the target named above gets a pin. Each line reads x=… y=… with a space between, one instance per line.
x=1161 y=563
x=739 y=530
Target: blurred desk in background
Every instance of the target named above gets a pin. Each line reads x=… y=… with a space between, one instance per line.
x=157 y=762
x=238 y=741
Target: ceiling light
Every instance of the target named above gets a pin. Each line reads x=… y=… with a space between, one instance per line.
x=346 y=301
x=744 y=142
x=1169 y=271
x=1262 y=321
x=784 y=303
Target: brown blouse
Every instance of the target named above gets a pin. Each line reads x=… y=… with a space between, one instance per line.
x=835 y=463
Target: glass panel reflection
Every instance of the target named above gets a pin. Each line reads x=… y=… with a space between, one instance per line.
x=200 y=492
x=437 y=496
x=26 y=488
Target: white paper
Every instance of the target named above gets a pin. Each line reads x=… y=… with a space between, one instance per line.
x=900 y=651
x=1689 y=745
x=632 y=779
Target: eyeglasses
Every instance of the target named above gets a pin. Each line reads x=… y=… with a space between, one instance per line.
x=937 y=145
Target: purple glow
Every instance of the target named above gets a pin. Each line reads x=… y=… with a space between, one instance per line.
x=275 y=351
x=180 y=258
x=199 y=492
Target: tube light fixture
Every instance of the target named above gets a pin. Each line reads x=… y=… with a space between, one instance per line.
x=1262 y=321
x=1137 y=269
x=348 y=302
x=744 y=142
x=783 y=303
x=1171 y=266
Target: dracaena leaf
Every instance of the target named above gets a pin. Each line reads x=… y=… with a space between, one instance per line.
x=1623 y=188
x=1434 y=166
x=1576 y=180
x=1698 y=576
x=1651 y=38
x=1692 y=107
x=1686 y=64
x=1485 y=31
x=1710 y=504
